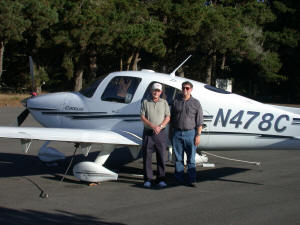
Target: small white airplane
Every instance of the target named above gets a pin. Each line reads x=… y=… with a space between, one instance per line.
x=108 y=114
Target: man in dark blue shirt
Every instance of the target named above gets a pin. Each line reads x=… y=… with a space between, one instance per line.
x=186 y=127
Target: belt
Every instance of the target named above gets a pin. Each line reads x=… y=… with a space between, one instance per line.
x=184 y=129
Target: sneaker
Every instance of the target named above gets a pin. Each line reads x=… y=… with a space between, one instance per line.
x=147 y=184
x=162 y=184
x=179 y=180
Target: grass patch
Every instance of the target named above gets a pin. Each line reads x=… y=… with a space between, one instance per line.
x=12 y=99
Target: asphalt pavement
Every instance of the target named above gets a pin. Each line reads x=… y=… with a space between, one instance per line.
x=230 y=193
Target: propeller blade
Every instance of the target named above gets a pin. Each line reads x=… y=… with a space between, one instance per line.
x=21 y=118
x=31 y=67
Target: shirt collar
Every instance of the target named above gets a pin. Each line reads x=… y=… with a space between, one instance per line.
x=181 y=97
x=159 y=100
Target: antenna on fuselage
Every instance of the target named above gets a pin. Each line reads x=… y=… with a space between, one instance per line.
x=173 y=73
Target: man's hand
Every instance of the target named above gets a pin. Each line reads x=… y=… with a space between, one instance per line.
x=197 y=140
x=157 y=129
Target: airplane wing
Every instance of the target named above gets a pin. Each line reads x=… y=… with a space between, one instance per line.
x=70 y=135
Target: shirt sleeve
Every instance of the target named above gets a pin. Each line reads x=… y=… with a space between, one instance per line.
x=143 y=109
x=199 y=117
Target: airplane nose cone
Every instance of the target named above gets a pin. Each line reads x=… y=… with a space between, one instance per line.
x=45 y=108
x=46 y=102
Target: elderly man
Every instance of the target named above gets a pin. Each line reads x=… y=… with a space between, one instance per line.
x=155 y=114
x=186 y=127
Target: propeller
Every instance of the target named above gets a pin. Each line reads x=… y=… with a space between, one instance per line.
x=31 y=73
x=21 y=118
x=23 y=115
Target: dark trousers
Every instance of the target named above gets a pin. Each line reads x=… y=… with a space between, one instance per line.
x=157 y=143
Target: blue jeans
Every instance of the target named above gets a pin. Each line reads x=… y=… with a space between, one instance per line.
x=184 y=141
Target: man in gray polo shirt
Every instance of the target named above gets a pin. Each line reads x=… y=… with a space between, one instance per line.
x=155 y=114
x=186 y=127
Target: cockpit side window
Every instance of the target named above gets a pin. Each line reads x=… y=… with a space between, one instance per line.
x=168 y=93
x=121 y=89
x=89 y=91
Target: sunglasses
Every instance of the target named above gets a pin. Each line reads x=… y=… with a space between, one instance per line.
x=186 y=88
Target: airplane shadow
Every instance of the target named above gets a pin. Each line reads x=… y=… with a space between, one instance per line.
x=14 y=165
x=19 y=165
x=216 y=174
x=33 y=217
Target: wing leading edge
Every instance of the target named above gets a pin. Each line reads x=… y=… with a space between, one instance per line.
x=68 y=135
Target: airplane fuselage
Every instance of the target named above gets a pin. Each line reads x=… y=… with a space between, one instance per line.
x=232 y=121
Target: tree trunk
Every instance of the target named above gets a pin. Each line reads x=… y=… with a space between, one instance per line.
x=135 y=62
x=78 y=79
x=93 y=65
x=79 y=74
x=208 y=71
x=223 y=65
x=1 y=57
x=214 y=69
x=129 y=60
x=121 y=63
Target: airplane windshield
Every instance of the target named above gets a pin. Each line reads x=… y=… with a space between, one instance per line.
x=121 y=89
x=89 y=91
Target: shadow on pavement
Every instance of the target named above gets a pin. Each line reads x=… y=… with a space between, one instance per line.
x=22 y=217
x=19 y=165
x=132 y=175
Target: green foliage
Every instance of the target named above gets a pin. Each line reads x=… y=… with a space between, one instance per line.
x=40 y=76
x=132 y=28
x=13 y=23
x=221 y=30
x=68 y=65
x=254 y=43
x=270 y=66
x=41 y=15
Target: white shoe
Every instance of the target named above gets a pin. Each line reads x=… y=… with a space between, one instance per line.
x=162 y=184
x=147 y=184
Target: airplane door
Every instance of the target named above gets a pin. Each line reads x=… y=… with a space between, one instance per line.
x=207 y=119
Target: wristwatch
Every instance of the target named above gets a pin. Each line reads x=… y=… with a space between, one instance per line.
x=198 y=134
x=162 y=126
